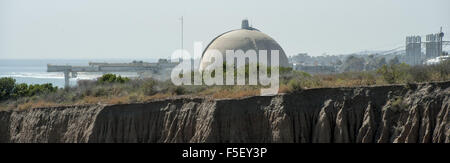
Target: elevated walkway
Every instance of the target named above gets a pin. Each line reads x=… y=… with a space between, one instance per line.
x=136 y=66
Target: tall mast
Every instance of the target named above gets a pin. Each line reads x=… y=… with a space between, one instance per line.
x=182 y=33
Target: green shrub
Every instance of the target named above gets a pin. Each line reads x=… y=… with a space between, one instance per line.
x=420 y=74
x=6 y=87
x=443 y=69
x=178 y=90
x=9 y=89
x=107 y=78
x=148 y=87
x=120 y=79
x=21 y=90
x=394 y=73
x=100 y=92
x=112 y=78
x=36 y=89
x=295 y=85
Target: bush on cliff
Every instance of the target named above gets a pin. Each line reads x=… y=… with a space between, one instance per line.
x=112 y=89
x=442 y=70
x=149 y=87
x=10 y=90
x=294 y=86
x=394 y=73
x=6 y=87
x=112 y=78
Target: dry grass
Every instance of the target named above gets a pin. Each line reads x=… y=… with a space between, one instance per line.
x=145 y=90
x=347 y=80
x=3 y=107
x=284 y=89
x=134 y=98
x=236 y=93
x=157 y=96
x=117 y=100
x=106 y=100
x=36 y=104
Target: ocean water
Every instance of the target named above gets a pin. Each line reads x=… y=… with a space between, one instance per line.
x=35 y=71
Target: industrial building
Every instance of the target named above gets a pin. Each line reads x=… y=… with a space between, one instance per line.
x=414 y=50
x=434 y=45
x=433 y=48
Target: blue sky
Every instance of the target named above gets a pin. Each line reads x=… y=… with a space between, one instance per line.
x=87 y=29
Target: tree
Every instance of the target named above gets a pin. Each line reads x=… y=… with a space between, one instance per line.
x=419 y=73
x=375 y=63
x=338 y=62
x=381 y=62
x=354 y=64
x=443 y=69
x=394 y=61
x=112 y=78
x=36 y=89
x=9 y=89
x=6 y=87
x=394 y=73
x=21 y=90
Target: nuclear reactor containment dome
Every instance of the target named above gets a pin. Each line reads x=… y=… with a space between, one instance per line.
x=246 y=38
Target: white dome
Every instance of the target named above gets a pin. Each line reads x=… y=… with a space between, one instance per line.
x=247 y=38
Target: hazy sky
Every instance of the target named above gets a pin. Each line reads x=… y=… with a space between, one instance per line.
x=86 y=29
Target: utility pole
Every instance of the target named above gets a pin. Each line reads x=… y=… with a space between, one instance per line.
x=182 y=33
x=441 y=37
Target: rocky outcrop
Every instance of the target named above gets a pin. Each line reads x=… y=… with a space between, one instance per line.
x=400 y=113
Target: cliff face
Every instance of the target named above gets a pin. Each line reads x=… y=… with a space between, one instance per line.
x=413 y=113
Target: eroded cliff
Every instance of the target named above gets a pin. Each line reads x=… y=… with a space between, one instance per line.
x=411 y=113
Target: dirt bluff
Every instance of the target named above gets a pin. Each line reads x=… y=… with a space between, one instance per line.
x=398 y=113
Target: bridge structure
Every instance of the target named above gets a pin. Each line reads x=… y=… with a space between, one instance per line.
x=140 y=67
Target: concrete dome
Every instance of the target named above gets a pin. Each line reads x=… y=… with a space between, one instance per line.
x=246 y=38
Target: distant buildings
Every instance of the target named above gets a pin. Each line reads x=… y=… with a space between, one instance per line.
x=434 y=45
x=413 y=50
x=317 y=64
x=437 y=60
x=315 y=69
x=433 y=48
